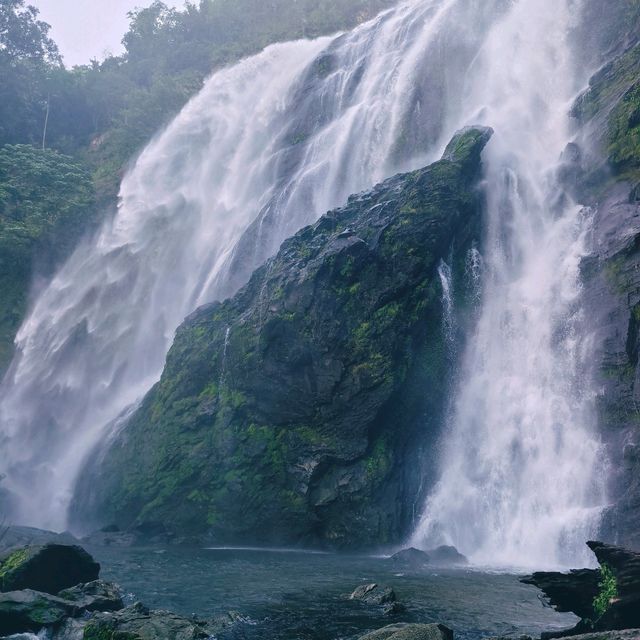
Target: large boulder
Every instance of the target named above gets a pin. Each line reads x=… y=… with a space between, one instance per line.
x=49 y=568
x=30 y=611
x=411 y=632
x=303 y=409
x=140 y=623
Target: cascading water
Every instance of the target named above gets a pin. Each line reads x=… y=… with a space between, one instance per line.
x=520 y=483
x=448 y=312
x=268 y=146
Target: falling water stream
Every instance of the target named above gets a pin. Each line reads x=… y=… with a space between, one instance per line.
x=268 y=146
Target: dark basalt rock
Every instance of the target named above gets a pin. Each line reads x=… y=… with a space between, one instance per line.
x=94 y=596
x=303 y=409
x=49 y=568
x=29 y=611
x=411 y=557
x=376 y=595
x=576 y=591
x=373 y=594
x=411 y=632
x=445 y=556
x=572 y=592
x=140 y=623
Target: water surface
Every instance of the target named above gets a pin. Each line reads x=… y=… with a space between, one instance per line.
x=288 y=595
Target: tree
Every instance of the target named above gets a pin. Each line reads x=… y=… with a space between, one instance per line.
x=23 y=36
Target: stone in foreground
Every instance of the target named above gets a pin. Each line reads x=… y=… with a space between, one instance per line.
x=49 y=568
x=94 y=596
x=411 y=632
x=29 y=611
x=139 y=623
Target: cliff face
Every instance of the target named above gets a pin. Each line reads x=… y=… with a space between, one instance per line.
x=300 y=410
x=609 y=113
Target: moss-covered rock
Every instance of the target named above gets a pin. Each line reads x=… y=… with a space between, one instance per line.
x=49 y=568
x=297 y=410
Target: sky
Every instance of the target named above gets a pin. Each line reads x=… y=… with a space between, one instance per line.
x=86 y=29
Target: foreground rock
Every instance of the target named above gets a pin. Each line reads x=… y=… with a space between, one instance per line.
x=411 y=632
x=94 y=596
x=139 y=623
x=31 y=611
x=374 y=594
x=606 y=599
x=49 y=568
x=303 y=408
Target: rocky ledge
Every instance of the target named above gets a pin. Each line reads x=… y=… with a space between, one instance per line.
x=606 y=599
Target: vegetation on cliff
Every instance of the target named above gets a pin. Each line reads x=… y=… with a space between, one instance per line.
x=46 y=199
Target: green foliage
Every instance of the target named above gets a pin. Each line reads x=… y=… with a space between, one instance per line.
x=46 y=200
x=608 y=591
x=103 y=113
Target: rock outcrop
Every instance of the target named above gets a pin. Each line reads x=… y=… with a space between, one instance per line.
x=605 y=173
x=607 y=599
x=300 y=410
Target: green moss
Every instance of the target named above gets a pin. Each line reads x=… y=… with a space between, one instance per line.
x=378 y=463
x=624 y=131
x=608 y=586
x=98 y=631
x=13 y=561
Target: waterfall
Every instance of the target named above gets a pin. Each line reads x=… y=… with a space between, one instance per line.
x=521 y=480
x=448 y=312
x=268 y=146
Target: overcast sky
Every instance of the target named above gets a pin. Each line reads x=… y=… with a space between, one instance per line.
x=86 y=29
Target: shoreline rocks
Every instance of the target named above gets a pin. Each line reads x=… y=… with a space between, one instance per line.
x=91 y=610
x=606 y=599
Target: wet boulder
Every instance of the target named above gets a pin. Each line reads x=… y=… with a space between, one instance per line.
x=49 y=568
x=411 y=632
x=411 y=557
x=94 y=596
x=374 y=594
x=140 y=623
x=30 y=611
x=445 y=556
